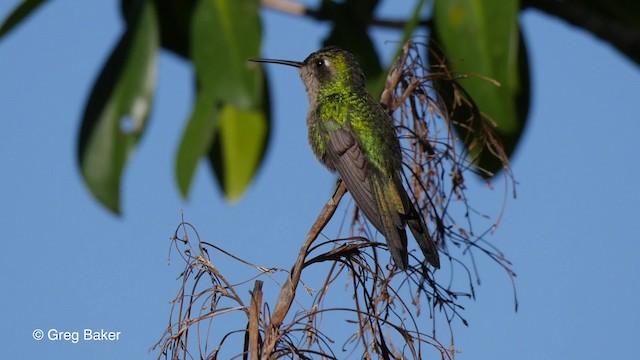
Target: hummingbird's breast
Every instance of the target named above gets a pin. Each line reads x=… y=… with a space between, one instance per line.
x=364 y=118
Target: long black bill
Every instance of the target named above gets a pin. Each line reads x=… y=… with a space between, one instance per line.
x=276 y=61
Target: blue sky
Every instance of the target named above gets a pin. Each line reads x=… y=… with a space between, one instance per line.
x=68 y=264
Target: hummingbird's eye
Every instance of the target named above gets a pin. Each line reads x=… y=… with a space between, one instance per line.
x=319 y=63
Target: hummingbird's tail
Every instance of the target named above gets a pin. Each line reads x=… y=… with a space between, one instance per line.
x=390 y=223
x=413 y=218
x=395 y=211
x=425 y=241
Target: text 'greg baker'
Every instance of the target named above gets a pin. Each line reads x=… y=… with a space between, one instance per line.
x=90 y=335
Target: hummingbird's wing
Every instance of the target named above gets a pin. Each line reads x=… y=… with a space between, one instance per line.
x=378 y=203
x=370 y=167
x=348 y=159
x=396 y=207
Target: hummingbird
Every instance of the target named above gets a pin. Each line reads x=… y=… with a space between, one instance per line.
x=352 y=133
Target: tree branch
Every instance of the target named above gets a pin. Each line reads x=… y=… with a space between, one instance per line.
x=298 y=9
x=285 y=6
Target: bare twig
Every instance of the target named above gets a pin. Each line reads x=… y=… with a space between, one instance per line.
x=287 y=294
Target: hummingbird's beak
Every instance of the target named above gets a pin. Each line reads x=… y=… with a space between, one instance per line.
x=282 y=62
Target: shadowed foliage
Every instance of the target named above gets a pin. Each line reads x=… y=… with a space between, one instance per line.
x=229 y=126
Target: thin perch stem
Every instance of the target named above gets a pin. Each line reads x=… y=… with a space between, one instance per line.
x=287 y=294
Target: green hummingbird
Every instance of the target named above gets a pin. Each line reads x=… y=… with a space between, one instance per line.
x=350 y=132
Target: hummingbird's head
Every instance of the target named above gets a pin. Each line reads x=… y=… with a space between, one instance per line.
x=326 y=71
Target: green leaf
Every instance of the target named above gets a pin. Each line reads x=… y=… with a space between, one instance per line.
x=225 y=34
x=18 y=14
x=175 y=23
x=482 y=41
x=118 y=107
x=196 y=140
x=238 y=148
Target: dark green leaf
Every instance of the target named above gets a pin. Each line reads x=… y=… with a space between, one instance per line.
x=614 y=21
x=175 y=23
x=482 y=41
x=18 y=14
x=118 y=107
x=625 y=11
